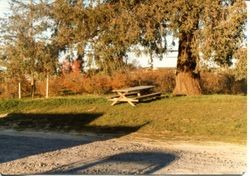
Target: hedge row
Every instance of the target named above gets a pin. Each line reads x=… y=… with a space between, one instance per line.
x=164 y=81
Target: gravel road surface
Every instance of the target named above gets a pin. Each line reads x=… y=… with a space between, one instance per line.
x=54 y=153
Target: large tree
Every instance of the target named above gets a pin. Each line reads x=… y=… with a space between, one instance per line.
x=211 y=30
x=207 y=30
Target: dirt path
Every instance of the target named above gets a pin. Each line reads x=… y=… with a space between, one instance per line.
x=50 y=153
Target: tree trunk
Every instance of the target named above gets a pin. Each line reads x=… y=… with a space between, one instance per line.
x=151 y=61
x=187 y=82
x=47 y=86
x=19 y=90
x=32 y=87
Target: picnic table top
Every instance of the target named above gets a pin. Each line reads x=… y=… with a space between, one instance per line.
x=131 y=89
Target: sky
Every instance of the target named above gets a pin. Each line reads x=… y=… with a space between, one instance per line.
x=4 y=7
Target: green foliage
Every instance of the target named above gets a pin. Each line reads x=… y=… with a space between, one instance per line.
x=241 y=64
x=26 y=51
x=224 y=33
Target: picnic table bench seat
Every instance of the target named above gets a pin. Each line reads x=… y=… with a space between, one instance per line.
x=152 y=95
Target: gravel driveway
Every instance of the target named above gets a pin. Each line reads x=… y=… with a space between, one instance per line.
x=51 y=153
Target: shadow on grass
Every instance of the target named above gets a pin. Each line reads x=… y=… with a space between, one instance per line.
x=13 y=147
x=79 y=122
x=49 y=121
x=123 y=163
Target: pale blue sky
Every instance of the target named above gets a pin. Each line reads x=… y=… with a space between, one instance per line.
x=4 y=7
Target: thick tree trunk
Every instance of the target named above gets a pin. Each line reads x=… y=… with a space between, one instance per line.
x=187 y=82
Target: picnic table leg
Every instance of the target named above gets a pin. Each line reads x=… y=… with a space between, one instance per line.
x=124 y=98
x=115 y=102
x=121 y=95
x=131 y=103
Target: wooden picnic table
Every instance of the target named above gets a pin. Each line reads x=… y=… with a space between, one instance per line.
x=132 y=95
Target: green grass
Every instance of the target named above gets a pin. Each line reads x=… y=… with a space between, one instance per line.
x=213 y=117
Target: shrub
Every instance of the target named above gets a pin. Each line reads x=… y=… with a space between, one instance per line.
x=216 y=82
x=221 y=83
x=163 y=80
x=97 y=84
x=9 y=88
x=120 y=80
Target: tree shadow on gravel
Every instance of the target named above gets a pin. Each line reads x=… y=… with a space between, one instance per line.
x=124 y=163
x=20 y=145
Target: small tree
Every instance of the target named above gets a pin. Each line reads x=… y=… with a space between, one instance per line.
x=27 y=55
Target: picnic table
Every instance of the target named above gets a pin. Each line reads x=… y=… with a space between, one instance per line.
x=132 y=95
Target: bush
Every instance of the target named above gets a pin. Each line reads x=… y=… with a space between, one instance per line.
x=77 y=83
x=9 y=88
x=221 y=83
x=164 y=81
x=97 y=84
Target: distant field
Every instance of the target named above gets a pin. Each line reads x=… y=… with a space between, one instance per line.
x=213 y=117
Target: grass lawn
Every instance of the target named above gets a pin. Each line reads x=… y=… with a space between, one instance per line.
x=212 y=117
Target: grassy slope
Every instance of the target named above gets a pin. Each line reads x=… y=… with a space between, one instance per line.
x=214 y=117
